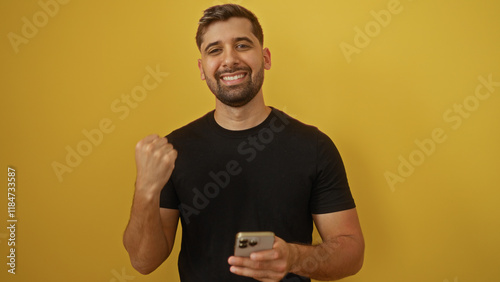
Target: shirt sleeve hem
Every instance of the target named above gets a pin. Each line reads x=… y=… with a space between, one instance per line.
x=334 y=208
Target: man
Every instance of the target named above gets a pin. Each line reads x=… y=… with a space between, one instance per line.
x=242 y=167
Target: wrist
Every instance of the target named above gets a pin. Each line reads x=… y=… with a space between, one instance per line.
x=294 y=257
x=147 y=187
x=146 y=193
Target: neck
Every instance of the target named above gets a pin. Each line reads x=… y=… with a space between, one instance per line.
x=241 y=118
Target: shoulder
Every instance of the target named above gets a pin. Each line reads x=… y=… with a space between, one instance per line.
x=307 y=138
x=298 y=128
x=191 y=130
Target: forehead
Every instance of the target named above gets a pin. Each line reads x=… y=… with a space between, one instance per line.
x=228 y=30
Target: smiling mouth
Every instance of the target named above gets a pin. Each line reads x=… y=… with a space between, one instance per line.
x=233 y=78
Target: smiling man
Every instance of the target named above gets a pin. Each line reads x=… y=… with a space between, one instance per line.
x=244 y=166
x=234 y=85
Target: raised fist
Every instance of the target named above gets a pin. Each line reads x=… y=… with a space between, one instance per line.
x=155 y=161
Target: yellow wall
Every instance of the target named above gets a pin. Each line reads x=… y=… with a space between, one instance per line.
x=403 y=97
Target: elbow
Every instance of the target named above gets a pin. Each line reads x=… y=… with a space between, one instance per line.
x=144 y=264
x=355 y=262
x=141 y=265
x=357 y=265
x=358 y=260
x=349 y=270
x=142 y=269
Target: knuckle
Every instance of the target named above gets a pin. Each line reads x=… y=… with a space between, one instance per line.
x=162 y=140
x=169 y=160
x=152 y=136
x=156 y=153
x=281 y=267
x=168 y=147
x=139 y=145
x=146 y=144
x=149 y=148
x=166 y=159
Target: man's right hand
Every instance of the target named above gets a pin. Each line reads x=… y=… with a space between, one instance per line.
x=155 y=161
x=150 y=233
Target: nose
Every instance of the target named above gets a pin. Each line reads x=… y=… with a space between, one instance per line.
x=230 y=58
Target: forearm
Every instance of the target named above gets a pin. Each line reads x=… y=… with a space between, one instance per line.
x=144 y=238
x=333 y=259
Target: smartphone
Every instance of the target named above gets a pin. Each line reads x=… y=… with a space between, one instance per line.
x=249 y=242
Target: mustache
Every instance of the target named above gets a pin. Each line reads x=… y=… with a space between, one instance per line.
x=231 y=70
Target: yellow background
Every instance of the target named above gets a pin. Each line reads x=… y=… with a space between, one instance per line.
x=441 y=224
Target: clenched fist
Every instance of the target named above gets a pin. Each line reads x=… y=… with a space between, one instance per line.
x=155 y=160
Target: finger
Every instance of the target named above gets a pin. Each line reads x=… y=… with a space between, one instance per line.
x=162 y=140
x=160 y=145
x=265 y=255
x=262 y=275
x=233 y=260
x=172 y=153
x=159 y=140
x=275 y=253
x=166 y=147
x=150 y=138
x=143 y=143
x=250 y=263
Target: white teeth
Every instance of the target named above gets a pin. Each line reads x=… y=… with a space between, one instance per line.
x=233 y=77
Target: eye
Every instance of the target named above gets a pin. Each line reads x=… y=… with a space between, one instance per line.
x=242 y=46
x=214 y=51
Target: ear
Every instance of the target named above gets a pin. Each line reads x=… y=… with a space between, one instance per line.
x=202 y=73
x=267 y=58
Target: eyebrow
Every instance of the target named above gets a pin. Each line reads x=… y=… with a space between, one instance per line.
x=236 y=39
x=211 y=44
x=244 y=38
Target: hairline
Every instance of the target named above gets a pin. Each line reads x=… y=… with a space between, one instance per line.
x=204 y=29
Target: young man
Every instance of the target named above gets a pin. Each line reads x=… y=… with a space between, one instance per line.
x=242 y=167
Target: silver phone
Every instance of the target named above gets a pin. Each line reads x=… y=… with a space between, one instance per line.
x=249 y=242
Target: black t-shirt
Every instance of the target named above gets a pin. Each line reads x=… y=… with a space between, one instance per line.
x=272 y=177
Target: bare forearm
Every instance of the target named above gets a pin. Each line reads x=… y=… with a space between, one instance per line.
x=150 y=233
x=144 y=238
x=331 y=260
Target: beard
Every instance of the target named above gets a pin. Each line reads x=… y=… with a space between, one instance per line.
x=236 y=95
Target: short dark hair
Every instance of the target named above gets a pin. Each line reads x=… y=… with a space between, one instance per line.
x=223 y=13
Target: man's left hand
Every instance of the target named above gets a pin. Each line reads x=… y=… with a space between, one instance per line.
x=266 y=266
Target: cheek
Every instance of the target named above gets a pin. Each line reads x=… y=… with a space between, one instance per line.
x=255 y=63
x=210 y=68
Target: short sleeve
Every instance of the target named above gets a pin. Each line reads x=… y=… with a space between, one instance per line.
x=168 y=196
x=330 y=192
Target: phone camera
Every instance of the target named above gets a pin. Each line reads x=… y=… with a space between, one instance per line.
x=243 y=243
x=253 y=242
